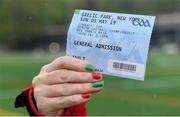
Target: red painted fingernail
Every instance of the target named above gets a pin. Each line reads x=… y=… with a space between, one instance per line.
x=86 y=95
x=96 y=75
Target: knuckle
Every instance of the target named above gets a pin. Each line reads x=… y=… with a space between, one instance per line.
x=64 y=75
x=41 y=91
x=34 y=82
x=72 y=100
x=37 y=80
x=62 y=60
x=45 y=67
x=64 y=90
x=49 y=74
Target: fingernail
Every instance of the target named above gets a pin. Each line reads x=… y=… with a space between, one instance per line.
x=98 y=84
x=89 y=68
x=96 y=75
x=86 y=95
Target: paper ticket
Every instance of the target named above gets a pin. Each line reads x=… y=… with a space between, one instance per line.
x=116 y=44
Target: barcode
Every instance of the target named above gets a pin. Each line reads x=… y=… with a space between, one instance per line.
x=124 y=66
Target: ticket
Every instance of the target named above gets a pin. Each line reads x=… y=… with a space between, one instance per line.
x=116 y=44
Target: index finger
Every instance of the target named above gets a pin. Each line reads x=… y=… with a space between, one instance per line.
x=70 y=63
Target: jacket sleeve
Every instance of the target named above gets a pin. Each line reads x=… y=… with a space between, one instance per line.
x=26 y=99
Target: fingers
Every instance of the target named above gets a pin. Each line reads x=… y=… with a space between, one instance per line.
x=65 y=82
x=65 y=102
x=71 y=89
x=67 y=62
x=67 y=76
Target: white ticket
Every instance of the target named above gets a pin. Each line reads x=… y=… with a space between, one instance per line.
x=116 y=44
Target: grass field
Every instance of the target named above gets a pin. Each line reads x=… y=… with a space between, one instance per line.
x=159 y=94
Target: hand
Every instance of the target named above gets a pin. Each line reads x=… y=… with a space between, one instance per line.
x=64 y=83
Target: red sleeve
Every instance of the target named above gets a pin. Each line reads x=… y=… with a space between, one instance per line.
x=26 y=99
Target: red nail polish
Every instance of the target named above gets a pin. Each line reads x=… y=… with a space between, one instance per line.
x=96 y=76
x=86 y=95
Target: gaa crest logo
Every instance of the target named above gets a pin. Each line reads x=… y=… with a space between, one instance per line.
x=141 y=22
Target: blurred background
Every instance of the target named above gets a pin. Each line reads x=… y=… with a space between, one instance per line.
x=33 y=33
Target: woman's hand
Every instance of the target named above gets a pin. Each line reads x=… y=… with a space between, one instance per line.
x=64 y=83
